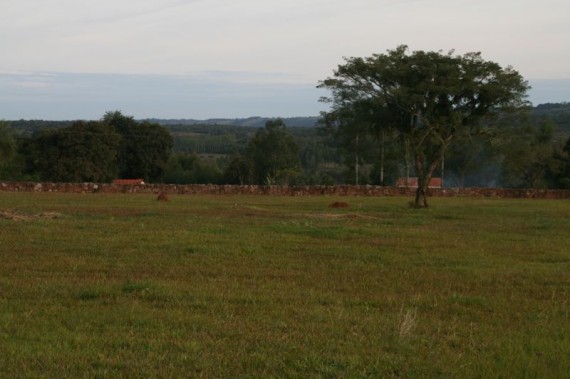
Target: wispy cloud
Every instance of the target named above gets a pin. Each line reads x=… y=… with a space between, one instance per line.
x=238 y=44
x=196 y=95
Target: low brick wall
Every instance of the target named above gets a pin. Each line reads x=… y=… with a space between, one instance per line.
x=340 y=190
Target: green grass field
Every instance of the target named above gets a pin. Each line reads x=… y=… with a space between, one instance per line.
x=121 y=285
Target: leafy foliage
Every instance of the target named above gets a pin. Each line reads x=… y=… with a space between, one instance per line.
x=239 y=171
x=558 y=113
x=528 y=156
x=7 y=144
x=274 y=154
x=559 y=169
x=144 y=147
x=7 y=148
x=349 y=146
x=370 y=149
x=83 y=152
x=186 y=168
x=427 y=97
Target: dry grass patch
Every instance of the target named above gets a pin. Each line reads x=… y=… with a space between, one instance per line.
x=20 y=216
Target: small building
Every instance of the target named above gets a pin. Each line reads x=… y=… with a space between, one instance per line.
x=413 y=182
x=128 y=182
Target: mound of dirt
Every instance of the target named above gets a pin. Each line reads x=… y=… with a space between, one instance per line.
x=162 y=196
x=339 y=204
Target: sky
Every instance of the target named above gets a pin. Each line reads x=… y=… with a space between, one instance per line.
x=77 y=59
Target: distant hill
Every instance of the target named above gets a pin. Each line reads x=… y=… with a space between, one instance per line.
x=559 y=113
x=255 y=122
x=28 y=127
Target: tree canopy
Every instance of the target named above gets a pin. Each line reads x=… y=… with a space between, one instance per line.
x=96 y=151
x=83 y=152
x=144 y=147
x=274 y=154
x=427 y=97
x=7 y=144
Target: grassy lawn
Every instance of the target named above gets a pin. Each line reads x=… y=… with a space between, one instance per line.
x=121 y=285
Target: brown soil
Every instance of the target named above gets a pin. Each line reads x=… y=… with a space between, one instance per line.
x=162 y=196
x=339 y=204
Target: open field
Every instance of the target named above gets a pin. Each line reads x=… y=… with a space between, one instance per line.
x=98 y=285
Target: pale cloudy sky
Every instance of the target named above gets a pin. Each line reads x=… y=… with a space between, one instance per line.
x=69 y=59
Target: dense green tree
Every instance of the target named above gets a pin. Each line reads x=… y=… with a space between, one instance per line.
x=528 y=156
x=365 y=137
x=559 y=113
x=144 y=147
x=180 y=168
x=239 y=171
x=7 y=149
x=7 y=143
x=428 y=97
x=562 y=174
x=351 y=126
x=188 y=168
x=83 y=152
x=319 y=158
x=274 y=154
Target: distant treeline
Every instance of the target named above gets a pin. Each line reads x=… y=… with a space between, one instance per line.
x=531 y=150
x=254 y=122
x=558 y=113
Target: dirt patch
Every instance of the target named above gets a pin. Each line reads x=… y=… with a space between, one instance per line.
x=339 y=204
x=19 y=216
x=332 y=215
x=341 y=216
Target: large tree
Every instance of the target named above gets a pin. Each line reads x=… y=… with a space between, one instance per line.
x=529 y=155
x=427 y=97
x=144 y=147
x=83 y=152
x=274 y=154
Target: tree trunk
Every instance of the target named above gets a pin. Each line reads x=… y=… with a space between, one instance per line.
x=382 y=161
x=421 y=197
x=425 y=169
x=442 y=169
x=356 y=161
x=424 y=178
x=407 y=161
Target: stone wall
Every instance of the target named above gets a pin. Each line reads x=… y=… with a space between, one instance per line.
x=341 y=190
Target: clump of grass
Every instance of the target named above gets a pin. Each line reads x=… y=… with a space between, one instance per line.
x=135 y=287
x=407 y=323
x=91 y=293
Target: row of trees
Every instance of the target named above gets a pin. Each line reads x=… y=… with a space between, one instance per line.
x=521 y=152
x=94 y=151
x=518 y=151
x=118 y=146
